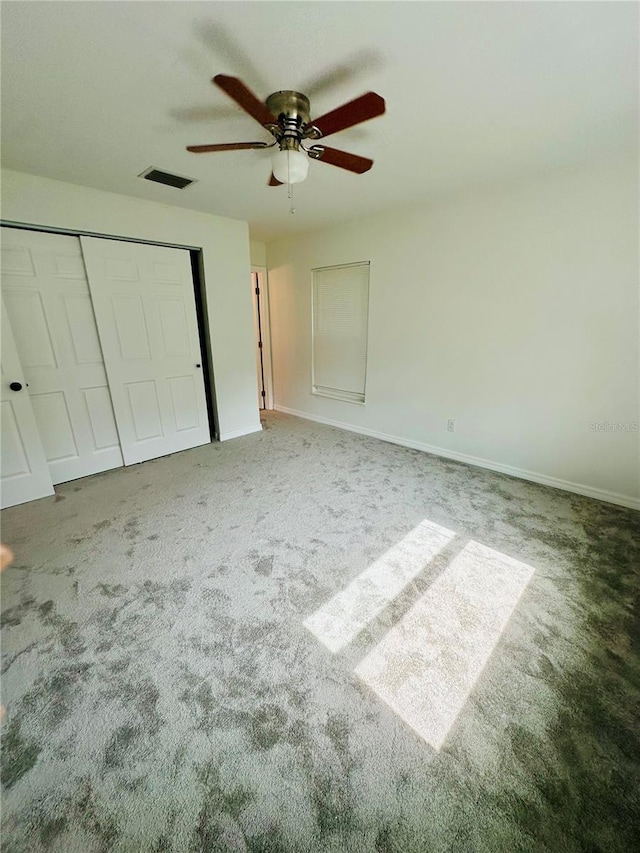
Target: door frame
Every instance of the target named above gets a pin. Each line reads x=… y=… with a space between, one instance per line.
x=265 y=328
x=197 y=267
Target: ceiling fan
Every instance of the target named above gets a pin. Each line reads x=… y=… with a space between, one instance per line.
x=286 y=115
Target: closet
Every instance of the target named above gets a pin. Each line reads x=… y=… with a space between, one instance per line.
x=101 y=360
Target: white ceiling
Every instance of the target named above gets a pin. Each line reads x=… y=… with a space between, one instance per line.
x=95 y=92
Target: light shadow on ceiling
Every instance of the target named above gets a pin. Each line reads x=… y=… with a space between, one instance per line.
x=205 y=113
x=227 y=51
x=232 y=56
x=358 y=65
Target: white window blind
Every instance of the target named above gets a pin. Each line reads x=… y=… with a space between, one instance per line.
x=340 y=320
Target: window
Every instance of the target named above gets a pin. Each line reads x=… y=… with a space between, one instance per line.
x=340 y=308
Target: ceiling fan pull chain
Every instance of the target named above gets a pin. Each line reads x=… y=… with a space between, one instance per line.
x=290 y=192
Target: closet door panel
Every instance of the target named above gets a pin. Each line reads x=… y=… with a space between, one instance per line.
x=49 y=305
x=143 y=299
x=24 y=472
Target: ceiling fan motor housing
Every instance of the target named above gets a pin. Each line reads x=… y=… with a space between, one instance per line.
x=292 y=109
x=290 y=106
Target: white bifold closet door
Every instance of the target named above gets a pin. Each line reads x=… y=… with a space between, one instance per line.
x=144 y=305
x=48 y=306
x=23 y=466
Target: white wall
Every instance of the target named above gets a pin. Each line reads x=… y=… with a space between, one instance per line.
x=32 y=200
x=514 y=311
x=258 y=254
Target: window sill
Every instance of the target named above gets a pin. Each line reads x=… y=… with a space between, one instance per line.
x=343 y=397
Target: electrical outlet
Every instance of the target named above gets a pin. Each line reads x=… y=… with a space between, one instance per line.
x=451 y=425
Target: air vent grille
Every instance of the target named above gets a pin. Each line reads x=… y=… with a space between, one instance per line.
x=160 y=177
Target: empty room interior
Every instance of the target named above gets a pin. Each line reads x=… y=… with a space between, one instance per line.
x=320 y=427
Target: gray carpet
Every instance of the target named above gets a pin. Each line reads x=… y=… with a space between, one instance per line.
x=163 y=692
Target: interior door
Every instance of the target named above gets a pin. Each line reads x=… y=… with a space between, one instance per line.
x=24 y=473
x=144 y=303
x=47 y=298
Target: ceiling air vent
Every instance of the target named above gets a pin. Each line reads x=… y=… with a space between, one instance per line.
x=160 y=177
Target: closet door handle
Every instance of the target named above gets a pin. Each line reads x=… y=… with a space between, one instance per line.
x=15 y=386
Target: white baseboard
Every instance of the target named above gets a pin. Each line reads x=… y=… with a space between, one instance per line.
x=236 y=433
x=521 y=473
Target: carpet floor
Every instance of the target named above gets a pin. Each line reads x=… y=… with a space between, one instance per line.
x=306 y=640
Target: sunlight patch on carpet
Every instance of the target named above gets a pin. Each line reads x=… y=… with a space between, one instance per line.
x=427 y=665
x=342 y=618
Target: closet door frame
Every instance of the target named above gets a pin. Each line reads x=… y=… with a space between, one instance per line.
x=199 y=291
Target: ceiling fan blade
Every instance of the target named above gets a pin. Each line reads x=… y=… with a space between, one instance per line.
x=356 y=111
x=226 y=146
x=342 y=159
x=274 y=182
x=245 y=98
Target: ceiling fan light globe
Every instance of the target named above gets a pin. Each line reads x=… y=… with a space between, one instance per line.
x=290 y=166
